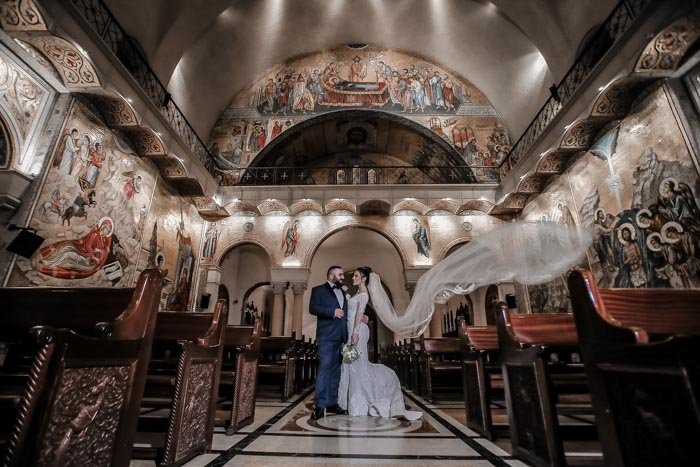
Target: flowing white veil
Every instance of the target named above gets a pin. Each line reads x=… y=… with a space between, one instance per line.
x=528 y=252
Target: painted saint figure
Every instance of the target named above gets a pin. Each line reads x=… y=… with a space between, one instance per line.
x=77 y=259
x=210 y=241
x=421 y=237
x=291 y=239
x=632 y=256
x=70 y=150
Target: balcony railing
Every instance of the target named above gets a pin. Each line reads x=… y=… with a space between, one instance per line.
x=366 y=175
x=103 y=23
x=615 y=26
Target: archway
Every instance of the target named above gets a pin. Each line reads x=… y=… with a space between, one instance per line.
x=242 y=267
x=357 y=147
x=351 y=248
x=257 y=303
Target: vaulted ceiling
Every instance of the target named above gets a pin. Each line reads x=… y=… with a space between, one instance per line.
x=512 y=50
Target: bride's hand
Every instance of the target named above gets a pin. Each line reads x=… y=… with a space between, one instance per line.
x=355 y=339
x=365 y=319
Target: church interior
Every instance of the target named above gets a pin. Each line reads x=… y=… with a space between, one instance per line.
x=177 y=176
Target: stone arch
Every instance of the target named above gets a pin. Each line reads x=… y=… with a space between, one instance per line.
x=295 y=132
x=227 y=248
x=311 y=252
x=448 y=249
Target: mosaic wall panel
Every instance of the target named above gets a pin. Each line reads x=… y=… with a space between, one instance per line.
x=554 y=204
x=98 y=201
x=374 y=77
x=638 y=189
x=172 y=241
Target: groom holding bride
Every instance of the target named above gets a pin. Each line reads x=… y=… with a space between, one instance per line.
x=360 y=387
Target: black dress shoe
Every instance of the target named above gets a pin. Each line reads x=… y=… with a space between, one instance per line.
x=318 y=413
x=337 y=410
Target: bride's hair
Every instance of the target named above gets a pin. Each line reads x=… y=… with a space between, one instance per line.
x=365 y=271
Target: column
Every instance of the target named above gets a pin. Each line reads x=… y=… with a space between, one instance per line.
x=298 y=309
x=277 y=325
x=436 y=321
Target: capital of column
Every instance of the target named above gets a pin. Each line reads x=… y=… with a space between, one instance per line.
x=213 y=274
x=298 y=288
x=278 y=287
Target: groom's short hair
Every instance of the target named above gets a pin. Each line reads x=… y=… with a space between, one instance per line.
x=330 y=269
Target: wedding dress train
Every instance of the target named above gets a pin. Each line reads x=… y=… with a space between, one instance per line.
x=367 y=388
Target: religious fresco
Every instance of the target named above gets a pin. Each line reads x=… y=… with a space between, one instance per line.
x=420 y=232
x=291 y=239
x=638 y=189
x=172 y=242
x=106 y=215
x=91 y=210
x=554 y=204
x=374 y=77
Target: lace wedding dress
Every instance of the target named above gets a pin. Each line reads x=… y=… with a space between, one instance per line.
x=367 y=388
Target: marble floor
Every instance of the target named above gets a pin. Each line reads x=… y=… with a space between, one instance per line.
x=284 y=435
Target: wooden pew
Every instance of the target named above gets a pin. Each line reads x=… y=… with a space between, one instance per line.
x=70 y=398
x=278 y=359
x=416 y=369
x=183 y=376
x=301 y=369
x=239 y=373
x=441 y=366
x=538 y=372
x=641 y=349
x=481 y=371
x=313 y=361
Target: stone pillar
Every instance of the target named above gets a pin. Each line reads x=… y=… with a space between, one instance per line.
x=277 y=325
x=436 y=321
x=298 y=310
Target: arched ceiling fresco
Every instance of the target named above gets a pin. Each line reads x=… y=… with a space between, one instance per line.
x=365 y=77
x=512 y=50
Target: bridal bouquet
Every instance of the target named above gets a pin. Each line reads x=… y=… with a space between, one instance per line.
x=349 y=353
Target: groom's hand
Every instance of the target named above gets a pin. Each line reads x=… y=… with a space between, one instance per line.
x=365 y=319
x=344 y=289
x=338 y=313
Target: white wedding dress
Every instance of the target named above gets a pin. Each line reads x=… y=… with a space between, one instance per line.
x=367 y=388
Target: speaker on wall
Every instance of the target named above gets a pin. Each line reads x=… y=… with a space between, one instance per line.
x=204 y=300
x=510 y=301
x=26 y=242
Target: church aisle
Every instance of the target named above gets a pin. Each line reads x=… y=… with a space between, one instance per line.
x=283 y=435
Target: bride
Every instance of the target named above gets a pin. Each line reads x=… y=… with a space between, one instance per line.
x=367 y=388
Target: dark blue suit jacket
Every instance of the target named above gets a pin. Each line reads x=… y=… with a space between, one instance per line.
x=322 y=305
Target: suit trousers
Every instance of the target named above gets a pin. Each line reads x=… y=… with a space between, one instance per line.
x=328 y=375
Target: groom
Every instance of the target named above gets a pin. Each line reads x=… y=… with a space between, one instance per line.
x=329 y=305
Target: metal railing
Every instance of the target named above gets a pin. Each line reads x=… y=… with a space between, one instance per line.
x=105 y=25
x=615 y=26
x=359 y=175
